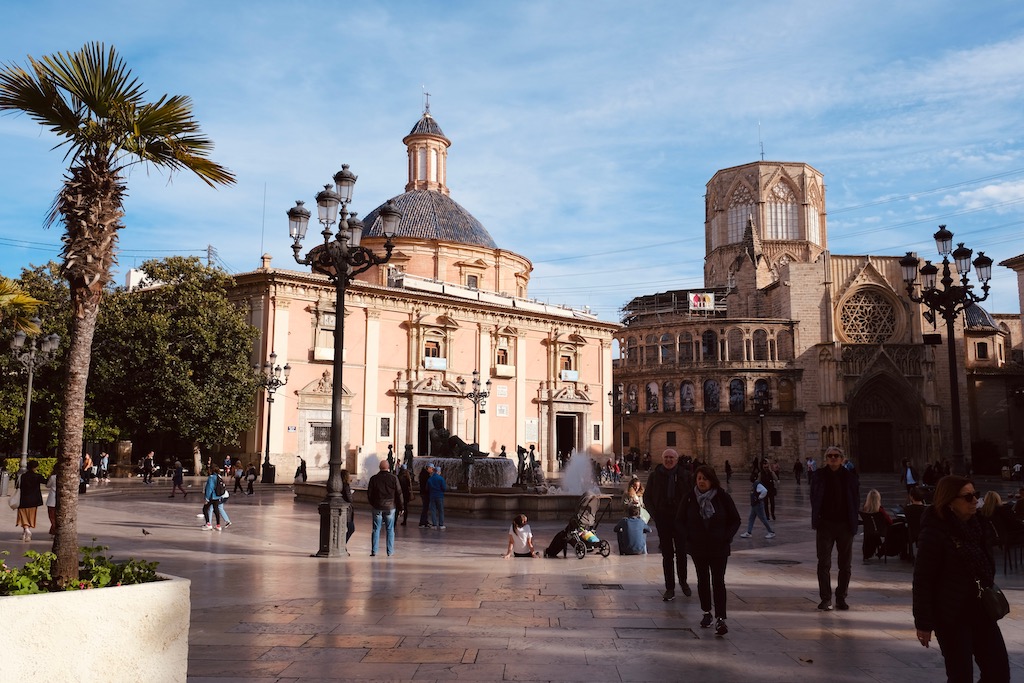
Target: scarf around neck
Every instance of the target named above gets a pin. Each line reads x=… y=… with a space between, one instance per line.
x=707 y=508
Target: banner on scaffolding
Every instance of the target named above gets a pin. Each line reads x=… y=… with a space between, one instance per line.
x=702 y=301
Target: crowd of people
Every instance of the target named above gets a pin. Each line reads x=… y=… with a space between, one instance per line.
x=696 y=517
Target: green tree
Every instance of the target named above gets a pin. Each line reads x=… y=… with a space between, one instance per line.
x=43 y=285
x=175 y=357
x=17 y=308
x=90 y=100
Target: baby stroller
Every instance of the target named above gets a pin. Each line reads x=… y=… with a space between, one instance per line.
x=579 y=533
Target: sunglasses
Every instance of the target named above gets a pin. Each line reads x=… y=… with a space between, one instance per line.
x=970 y=497
x=834 y=456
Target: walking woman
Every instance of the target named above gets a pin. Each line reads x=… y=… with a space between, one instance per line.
x=953 y=565
x=708 y=520
x=211 y=498
x=31 y=498
x=178 y=480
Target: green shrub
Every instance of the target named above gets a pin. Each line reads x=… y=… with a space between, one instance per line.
x=95 y=570
x=46 y=466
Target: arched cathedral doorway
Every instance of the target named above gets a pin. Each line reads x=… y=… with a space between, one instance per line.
x=885 y=424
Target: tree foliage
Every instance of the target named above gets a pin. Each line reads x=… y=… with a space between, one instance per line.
x=174 y=356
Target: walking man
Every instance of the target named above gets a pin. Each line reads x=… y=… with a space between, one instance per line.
x=667 y=485
x=835 y=494
x=385 y=497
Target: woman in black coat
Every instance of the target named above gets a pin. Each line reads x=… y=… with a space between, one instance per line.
x=31 y=498
x=708 y=520
x=953 y=563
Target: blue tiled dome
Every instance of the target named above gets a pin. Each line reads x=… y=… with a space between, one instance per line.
x=979 y=317
x=431 y=215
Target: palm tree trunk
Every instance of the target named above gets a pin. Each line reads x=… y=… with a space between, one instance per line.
x=72 y=427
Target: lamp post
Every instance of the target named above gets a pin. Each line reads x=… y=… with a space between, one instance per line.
x=762 y=404
x=479 y=400
x=615 y=401
x=39 y=350
x=340 y=259
x=272 y=377
x=948 y=302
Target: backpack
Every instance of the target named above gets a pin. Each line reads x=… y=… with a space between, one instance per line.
x=219 y=488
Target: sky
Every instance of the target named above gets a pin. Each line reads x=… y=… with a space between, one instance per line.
x=583 y=132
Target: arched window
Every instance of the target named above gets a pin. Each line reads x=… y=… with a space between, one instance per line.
x=737 y=398
x=668 y=349
x=741 y=207
x=651 y=392
x=685 y=347
x=687 y=397
x=632 y=352
x=709 y=346
x=650 y=350
x=783 y=221
x=668 y=397
x=711 y=396
x=760 y=339
x=735 y=342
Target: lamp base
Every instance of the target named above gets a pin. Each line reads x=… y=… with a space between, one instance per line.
x=333 y=527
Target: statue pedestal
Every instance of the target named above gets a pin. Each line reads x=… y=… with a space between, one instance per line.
x=333 y=527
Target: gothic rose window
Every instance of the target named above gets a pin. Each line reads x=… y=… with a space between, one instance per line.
x=867 y=318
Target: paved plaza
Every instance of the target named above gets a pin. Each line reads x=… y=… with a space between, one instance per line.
x=446 y=606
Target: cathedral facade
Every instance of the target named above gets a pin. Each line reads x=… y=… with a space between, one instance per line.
x=788 y=348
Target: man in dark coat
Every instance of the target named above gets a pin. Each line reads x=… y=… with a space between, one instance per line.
x=384 y=494
x=835 y=494
x=425 y=473
x=667 y=486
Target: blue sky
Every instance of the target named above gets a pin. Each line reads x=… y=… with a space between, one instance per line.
x=584 y=132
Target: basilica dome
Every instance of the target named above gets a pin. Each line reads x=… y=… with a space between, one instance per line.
x=431 y=215
x=428 y=212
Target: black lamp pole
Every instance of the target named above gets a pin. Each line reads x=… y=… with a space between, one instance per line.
x=479 y=399
x=948 y=302
x=38 y=352
x=340 y=259
x=271 y=378
x=762 y=403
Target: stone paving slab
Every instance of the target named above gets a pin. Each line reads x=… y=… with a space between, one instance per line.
x=447 y=607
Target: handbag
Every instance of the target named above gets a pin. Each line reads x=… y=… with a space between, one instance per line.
x=645 y=515
x=15 y=501
x=993 y=602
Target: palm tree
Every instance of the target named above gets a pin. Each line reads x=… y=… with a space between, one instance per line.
x=17 y=308
x=90 y=99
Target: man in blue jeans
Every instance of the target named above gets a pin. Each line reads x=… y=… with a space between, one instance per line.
x=385 y=497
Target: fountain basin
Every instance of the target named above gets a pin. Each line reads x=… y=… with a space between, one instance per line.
x=503 y=504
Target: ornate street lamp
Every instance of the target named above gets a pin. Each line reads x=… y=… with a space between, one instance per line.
x=762 y=404
x=479 y=399
x=615 y=397
x=948 y=302
x=340 y=258
x=272 y=377
x=41 y=351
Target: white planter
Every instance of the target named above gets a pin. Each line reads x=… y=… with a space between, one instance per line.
x=117 y=635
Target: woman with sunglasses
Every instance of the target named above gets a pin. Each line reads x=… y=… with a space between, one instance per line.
x=953 y=564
